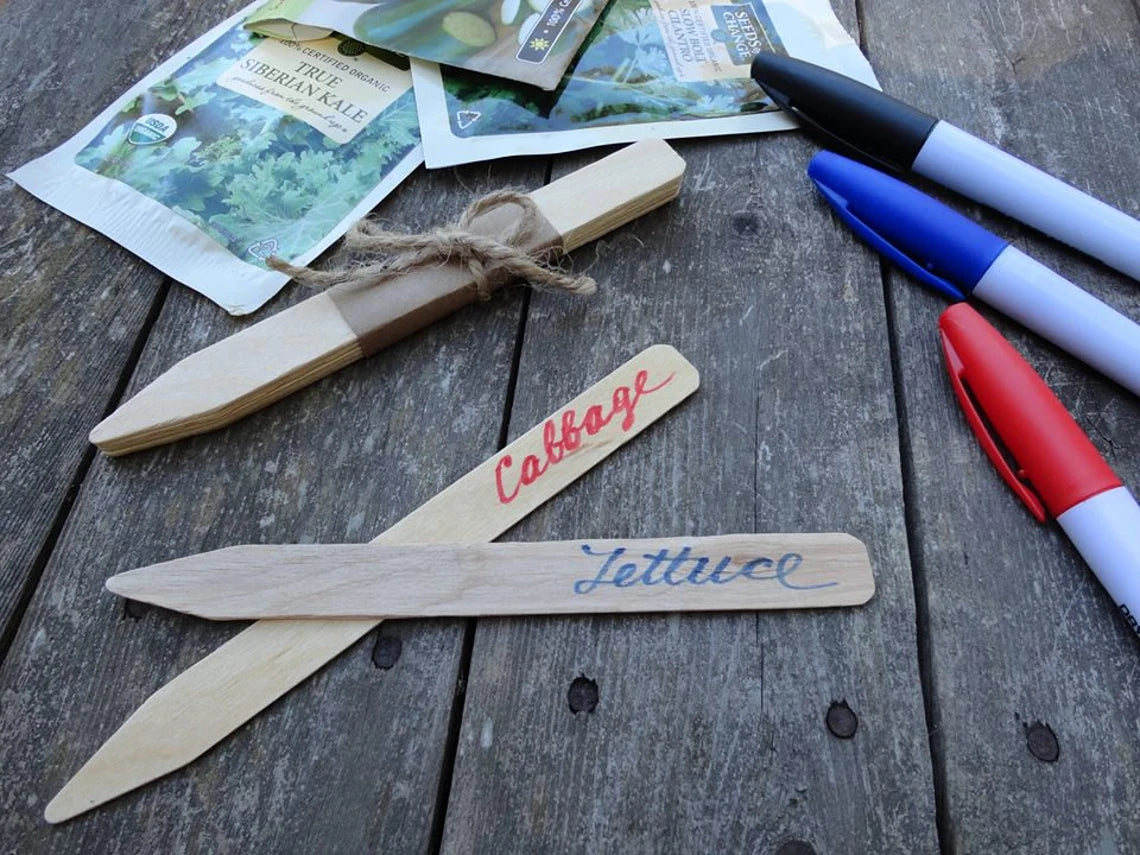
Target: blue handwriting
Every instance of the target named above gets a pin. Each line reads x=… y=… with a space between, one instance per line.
x=684 y=568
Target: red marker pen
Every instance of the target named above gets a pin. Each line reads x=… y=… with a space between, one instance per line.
x=1060 y=471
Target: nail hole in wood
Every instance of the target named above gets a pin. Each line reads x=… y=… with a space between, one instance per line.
x=1042 y=742
x=841 y=720
x=386 y=652
x=745 y=224
x=583 y=695
x=795 y=847
x=134 y=609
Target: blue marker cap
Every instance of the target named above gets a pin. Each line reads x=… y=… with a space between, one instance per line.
x=919 y=234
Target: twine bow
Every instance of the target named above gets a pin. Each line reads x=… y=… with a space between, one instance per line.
x=404 y=252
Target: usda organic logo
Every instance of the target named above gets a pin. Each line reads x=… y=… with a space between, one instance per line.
x=152 y=128
x=350 y=47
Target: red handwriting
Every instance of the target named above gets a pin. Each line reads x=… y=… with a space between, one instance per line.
x=562 y=435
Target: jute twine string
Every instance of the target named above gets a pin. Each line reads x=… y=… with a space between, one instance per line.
x=405 y=252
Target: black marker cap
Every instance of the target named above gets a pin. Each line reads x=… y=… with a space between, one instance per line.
x=852 y=114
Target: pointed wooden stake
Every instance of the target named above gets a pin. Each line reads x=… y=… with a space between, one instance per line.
x=271 y=359
x=204 y=704
x=732 y=571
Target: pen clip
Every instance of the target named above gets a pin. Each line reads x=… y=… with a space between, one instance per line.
x=885 y=247
x=978 y=426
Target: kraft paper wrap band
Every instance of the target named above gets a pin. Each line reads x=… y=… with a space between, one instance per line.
x=380 y=314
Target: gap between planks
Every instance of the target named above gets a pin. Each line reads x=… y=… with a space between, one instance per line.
x=463 y=672
x=917 y=574
x=31 y=582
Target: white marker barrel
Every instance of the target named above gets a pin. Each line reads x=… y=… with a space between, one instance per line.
x=987 y=174
x=1106 y=531
x=1056 y=309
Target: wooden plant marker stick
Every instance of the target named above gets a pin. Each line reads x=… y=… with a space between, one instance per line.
x=271 y=359
x=735 y=571
x=216 y=695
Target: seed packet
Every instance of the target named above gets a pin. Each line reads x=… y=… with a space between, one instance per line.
x=238 y=148
x=529 y=41
x=649 y=68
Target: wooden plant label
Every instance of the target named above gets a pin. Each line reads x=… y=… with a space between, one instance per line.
x=735 y=571
x=208 y=701
x=310 y=340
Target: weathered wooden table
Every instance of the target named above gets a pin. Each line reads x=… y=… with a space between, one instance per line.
x=994 y=689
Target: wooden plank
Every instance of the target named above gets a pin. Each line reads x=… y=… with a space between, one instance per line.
x=709 y=732
x=1023 y=644
x=72 y=304
x=350 y=761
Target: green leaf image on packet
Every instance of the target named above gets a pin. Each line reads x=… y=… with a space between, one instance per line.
x=649 y=68
x=528 y=41
x=238 y=148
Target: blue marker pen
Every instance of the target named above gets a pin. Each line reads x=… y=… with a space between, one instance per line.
x=885 y=130
x=958 y=257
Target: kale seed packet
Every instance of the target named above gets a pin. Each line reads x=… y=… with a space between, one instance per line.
x=649 y=68
x=237 y=148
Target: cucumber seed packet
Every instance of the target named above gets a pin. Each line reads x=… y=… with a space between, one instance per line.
x=649 y=68
x=238 y=148
x=529 y=41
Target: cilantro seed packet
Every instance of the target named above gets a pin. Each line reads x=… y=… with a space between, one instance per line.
x=529 y=41
x=238 y=148
x=649 y=68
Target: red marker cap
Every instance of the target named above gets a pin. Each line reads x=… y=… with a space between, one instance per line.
x=1054 y=456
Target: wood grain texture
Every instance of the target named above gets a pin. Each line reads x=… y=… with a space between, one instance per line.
x=735 y=572
x=72 y=304
x=189 y=715
x=608 y=192
x=1020 y=636
x=234 y=377
x=708 y=733
x=318 y=336
x=353 y=759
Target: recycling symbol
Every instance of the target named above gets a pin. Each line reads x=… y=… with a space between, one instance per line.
x=466 y=118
